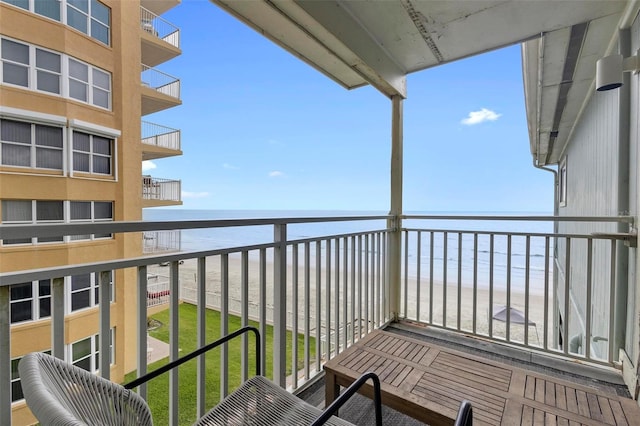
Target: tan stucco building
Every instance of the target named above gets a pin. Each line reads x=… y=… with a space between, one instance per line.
x=72 y=142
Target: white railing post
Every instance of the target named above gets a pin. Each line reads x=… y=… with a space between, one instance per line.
x=104 y=289
x=5 y=356
x=394 y=252
x=174 y=341
x=142 y=328
x=280 y=304
x=201 y=299
x=57 y=317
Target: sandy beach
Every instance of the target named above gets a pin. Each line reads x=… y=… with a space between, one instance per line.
x=316 y=305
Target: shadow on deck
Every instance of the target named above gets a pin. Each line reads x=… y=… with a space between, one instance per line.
x=533 y=389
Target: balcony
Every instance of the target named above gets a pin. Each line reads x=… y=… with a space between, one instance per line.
x=160 y=39
x=159 y=7
x=159 y=141
x=160 y=91
x=161 y=242
x=158 y=192
x=448 y=279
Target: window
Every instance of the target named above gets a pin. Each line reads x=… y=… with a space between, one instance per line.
x=562 y=183
x=90 y=211
x=48 y=8
x=84 y=291
x=101 y=86
x=15 y=63
x=46 y=211
x=30 y=301
x=49 y=212
x=78 y=80
x=31 y=145
x=80 y=212
x=81 y=289
x=48 y=71
x=103 y=212
x=92 y=154
x=88 y=84
x=17 y=212
x=88 y=16
x=16 y=385
x=24 y=4
x=85 y=353
x=38 y=69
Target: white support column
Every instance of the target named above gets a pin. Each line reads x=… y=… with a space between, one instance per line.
x=57 y=317
x=174 y=340
x=280 y=304
x=104 y=289
x=201 y=335
x=394 y=253
x=141 y=327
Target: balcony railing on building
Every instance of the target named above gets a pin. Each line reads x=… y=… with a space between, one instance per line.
x=160 y=189
x=334 y=288
x=161 y=136
x=159 y=27
x=160 y=81
x=158 y=291
x=160 y=91
x=161 y=241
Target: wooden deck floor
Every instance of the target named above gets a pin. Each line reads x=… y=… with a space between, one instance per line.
x=428 y=382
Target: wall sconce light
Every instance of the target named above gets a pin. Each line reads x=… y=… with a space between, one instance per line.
x=610 y=68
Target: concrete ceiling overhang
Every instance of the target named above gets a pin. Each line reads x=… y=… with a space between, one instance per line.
x=358 y=42
x=559 y=77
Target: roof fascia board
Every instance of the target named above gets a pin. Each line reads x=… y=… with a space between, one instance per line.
x=532 y=90
x=365 y=54
x=272 y=24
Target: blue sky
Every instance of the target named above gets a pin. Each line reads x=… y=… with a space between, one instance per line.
x=263 y=130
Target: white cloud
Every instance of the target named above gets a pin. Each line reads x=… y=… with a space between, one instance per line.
x=229 y=166
x=187 y=194
x=276 y=173
x=477 y=117
x=148 y=165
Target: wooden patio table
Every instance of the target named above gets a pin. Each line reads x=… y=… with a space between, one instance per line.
x=428 y=382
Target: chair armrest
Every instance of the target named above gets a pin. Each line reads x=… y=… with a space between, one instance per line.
x=348 y=393
x=465 y=414
x=143 y=379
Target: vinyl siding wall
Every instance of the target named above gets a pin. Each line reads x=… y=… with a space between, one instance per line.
x=593 y=179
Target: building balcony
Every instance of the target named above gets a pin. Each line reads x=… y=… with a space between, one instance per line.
x=159 y=141
x=158 y=192
x=158 y=7
x=447 y=281
x=160 y=91
x=160 y=242
x=160 y=39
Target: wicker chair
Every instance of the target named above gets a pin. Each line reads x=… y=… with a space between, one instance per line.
x=59 y=393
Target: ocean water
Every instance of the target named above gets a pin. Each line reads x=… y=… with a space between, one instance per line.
x=504 y=259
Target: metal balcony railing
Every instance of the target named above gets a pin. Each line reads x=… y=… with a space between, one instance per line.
x=159 y=27
x=160 y=81
x=158 y=290
x=161 y=136
x=510 y=286
x=161 y=241
x=160 y=189
x=334 y=288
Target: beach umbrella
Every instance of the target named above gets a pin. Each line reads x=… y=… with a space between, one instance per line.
x=515 y=315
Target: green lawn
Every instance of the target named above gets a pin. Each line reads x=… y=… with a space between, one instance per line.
x=158 y=388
